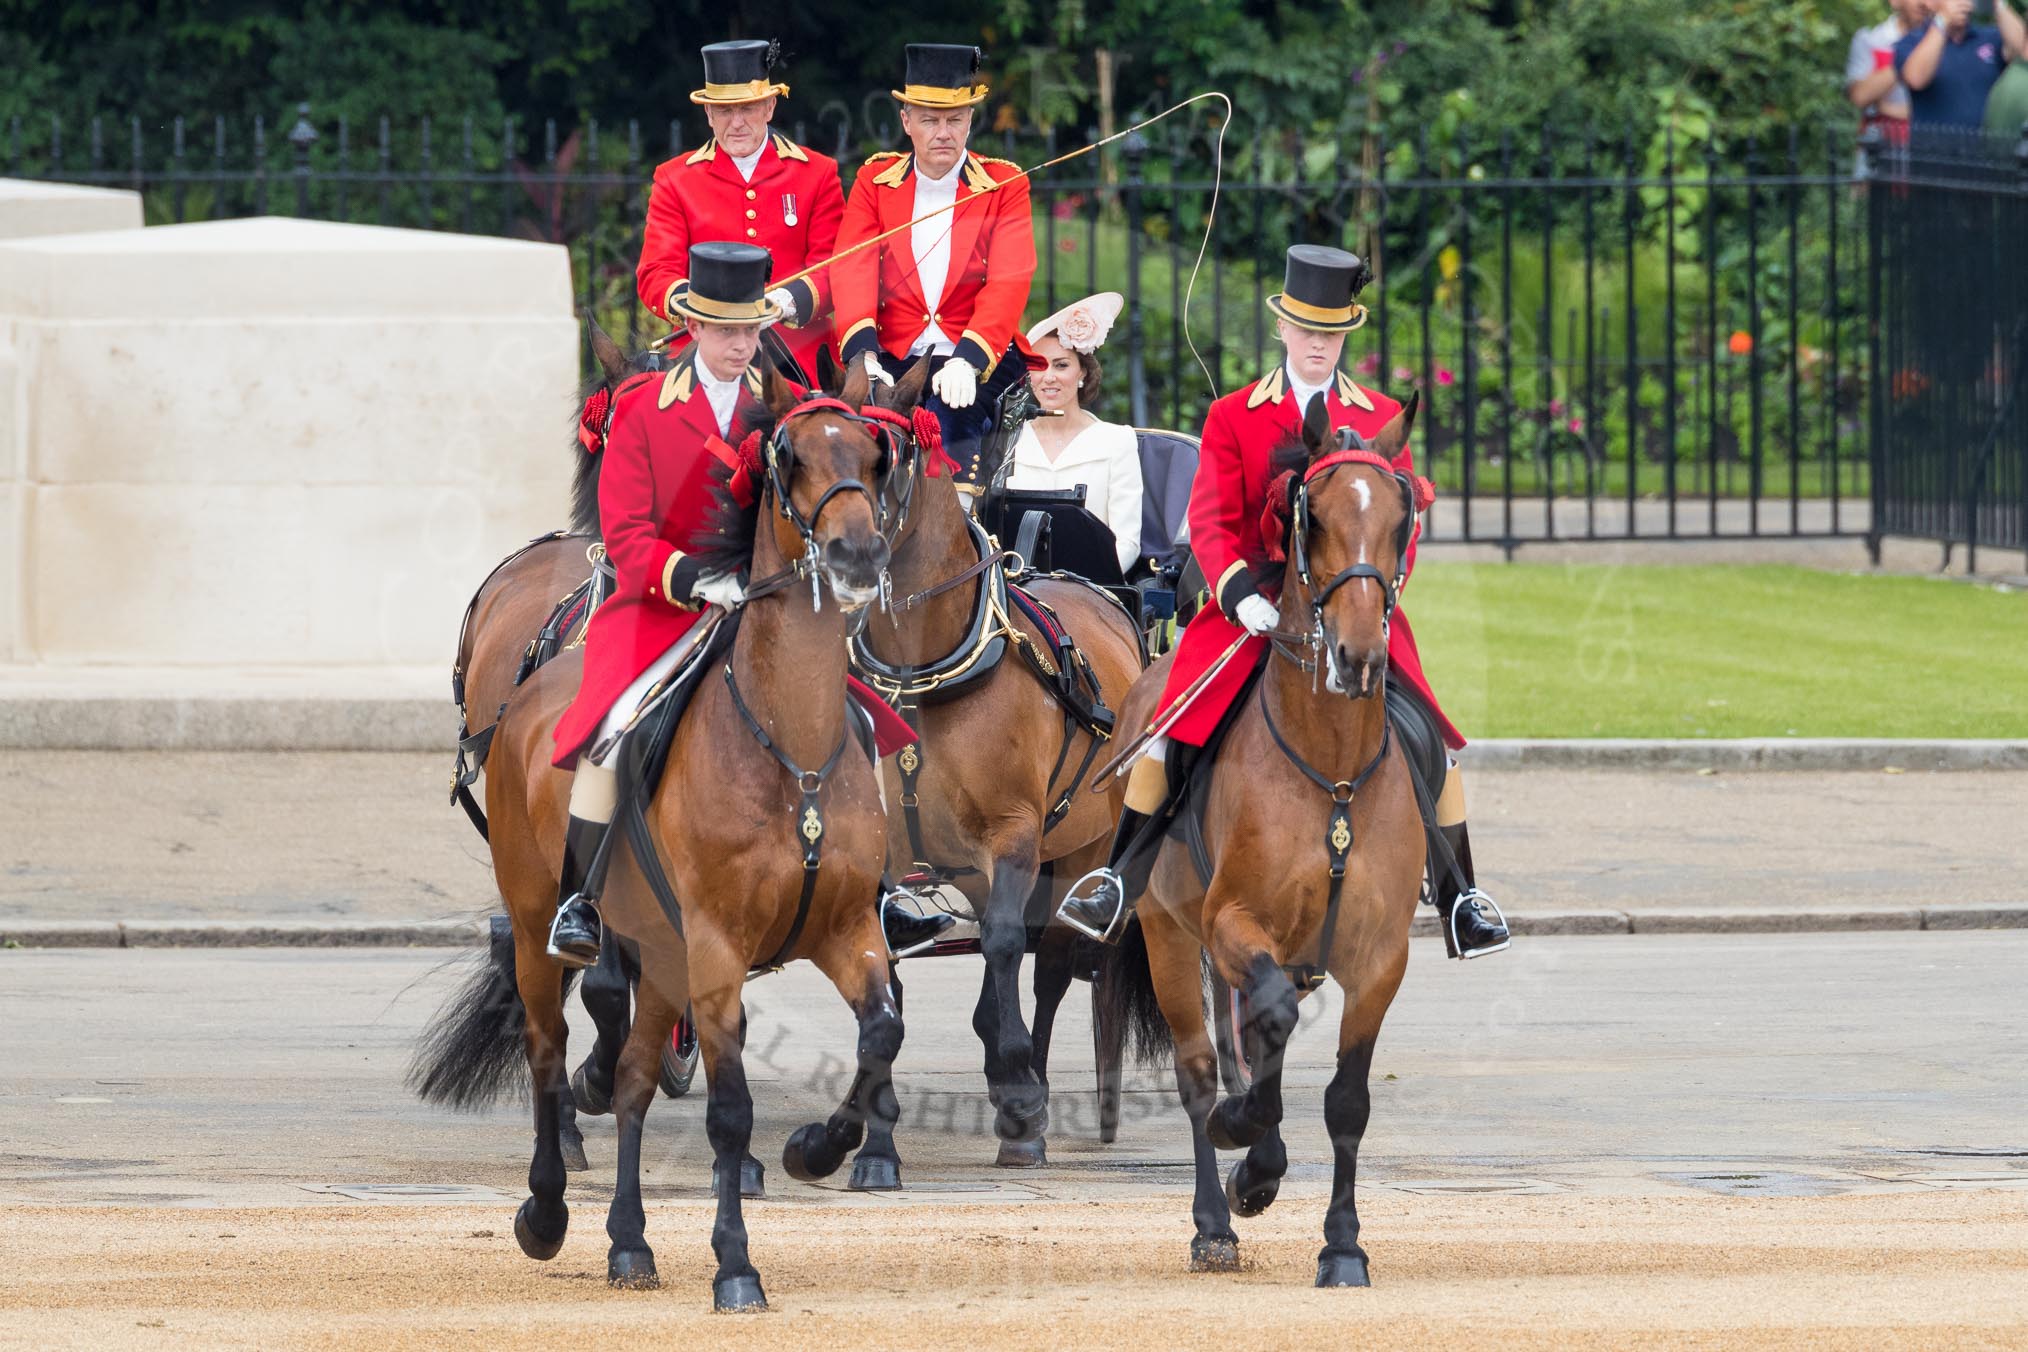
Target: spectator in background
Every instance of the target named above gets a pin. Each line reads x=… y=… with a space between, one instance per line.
x=1870 y=80
x=1952 y=64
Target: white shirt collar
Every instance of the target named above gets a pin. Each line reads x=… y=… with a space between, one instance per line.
x=723 y=394
x=1302 y=389
x=746 y=163
x=947 y=186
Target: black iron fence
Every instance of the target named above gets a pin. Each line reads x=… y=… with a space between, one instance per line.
x=1659 y=340
x=1951 y=230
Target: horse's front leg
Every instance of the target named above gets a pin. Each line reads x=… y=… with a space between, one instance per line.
x=877 y=1166
x=607 y=992
x=630 y=1262
x=728 y=1121
x=1369 y=990
x=858 y=968
x=1238 y=944
x=1011 y=1082
x=1052 y=982
x=543 y=1219
x=1174 y=970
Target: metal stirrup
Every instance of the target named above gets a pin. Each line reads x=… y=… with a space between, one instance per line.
x=1112 y=928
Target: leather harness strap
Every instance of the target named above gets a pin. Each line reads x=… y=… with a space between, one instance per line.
x=1337 y=836
x=809 y=823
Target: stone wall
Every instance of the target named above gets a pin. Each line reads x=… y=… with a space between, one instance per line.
x=272 y=443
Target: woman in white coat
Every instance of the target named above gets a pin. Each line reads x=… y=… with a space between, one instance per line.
x=1069 y=445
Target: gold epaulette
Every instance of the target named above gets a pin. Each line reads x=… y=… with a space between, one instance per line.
x=1266 y=390
x=789 y=150
x=1349 y=393
x=707 y=151
x=893 y=174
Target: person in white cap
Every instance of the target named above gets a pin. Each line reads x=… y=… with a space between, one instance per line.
x=1069 y=444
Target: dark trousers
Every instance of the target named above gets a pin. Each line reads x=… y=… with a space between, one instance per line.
x=965 y=429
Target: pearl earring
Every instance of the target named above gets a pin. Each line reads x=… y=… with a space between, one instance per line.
x=1080 y=384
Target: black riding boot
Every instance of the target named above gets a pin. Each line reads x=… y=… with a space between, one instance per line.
x=574 y=934
x=1472 y=923
x=1099 y=903
x=908 y=932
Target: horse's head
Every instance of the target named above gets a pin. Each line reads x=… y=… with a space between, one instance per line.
x=827 y=466
x=1351 y=515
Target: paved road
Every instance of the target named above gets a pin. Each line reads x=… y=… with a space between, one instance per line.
x=1785 y=1065
x=368 y=837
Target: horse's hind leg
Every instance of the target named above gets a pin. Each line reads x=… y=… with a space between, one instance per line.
x=1174 y=967
x=1052 y=982
x=858 y=970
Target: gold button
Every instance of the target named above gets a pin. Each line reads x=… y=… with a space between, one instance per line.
x=751 y=232
x=925 y=319
x=750 y=213
x=750 y=194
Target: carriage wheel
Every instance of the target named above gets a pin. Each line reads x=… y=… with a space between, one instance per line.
x=679 y=1058
x=1226 y=1015
x=1109 y=1050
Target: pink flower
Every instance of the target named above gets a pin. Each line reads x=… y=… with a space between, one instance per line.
x=1068 y=244
x=1577 y=425
x=1556 y=408
x=1369 y=364
x=1444 y=376
x=1080 y=329
x=1402 y=373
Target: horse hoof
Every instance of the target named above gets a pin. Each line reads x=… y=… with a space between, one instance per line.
x=873 y=1173
x=1022 y=1154
x=533 y=1242
x=1020 y=1122
x=752 y=1179
x=809 y=1155
x=1342 y=1269
x=738 y=1295
x=632 y=1270
x=571 y=1143
x=1214 y=1253
x=589 y=1095
x=1248 y=1192
x=1229 y=1127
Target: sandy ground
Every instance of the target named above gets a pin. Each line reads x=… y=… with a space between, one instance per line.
x=1453 y=1272
x=350 y=837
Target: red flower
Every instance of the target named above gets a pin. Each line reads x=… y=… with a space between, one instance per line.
x=1740 y=343
x=1444 y=376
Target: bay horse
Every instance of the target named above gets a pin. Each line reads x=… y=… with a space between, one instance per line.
x=785 y=864
x=994 y=788
x=1315 y=850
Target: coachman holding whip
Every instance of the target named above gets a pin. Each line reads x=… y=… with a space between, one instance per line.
x=1314 y=311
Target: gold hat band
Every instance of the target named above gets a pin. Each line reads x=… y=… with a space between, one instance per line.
x=1297 y=309
x=938 y=96
x=750 y=92
x=730 y=312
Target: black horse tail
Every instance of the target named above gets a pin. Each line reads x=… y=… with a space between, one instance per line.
x=467 y=1057
x=1125 y=995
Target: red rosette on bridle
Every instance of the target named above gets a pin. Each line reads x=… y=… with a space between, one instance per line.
x=929 y=435
x=1274 y=517
x=591 y=421
x=1425 y=492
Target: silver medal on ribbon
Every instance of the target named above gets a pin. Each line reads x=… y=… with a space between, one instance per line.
x=788 y=208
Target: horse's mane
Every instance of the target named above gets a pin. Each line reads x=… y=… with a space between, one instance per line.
x=584 y=473
x=726 y=544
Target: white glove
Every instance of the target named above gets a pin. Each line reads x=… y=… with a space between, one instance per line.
x=782 y=297
x=1258 y=615
x=721 y=590
x=876 y=371
x=956 y=383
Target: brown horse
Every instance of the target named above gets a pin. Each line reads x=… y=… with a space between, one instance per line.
x=1307 y=784
x=994 y=788
x=785 y=864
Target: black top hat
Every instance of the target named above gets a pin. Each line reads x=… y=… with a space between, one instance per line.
x=737 y=72
x=728 y=285
x=940 y=75
x=1318 y=289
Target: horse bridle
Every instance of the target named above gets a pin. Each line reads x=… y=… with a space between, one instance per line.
x=1352 y=452
x=897 y=447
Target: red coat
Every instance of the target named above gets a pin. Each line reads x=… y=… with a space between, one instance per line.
x=877 y=294
x=791 y=208
x=655 y=495
x=1226 y=500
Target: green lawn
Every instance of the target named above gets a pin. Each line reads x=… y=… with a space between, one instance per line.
x=1546 y=650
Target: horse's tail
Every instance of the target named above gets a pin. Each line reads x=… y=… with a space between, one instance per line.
x=1125 y=995
x=467 y=1056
